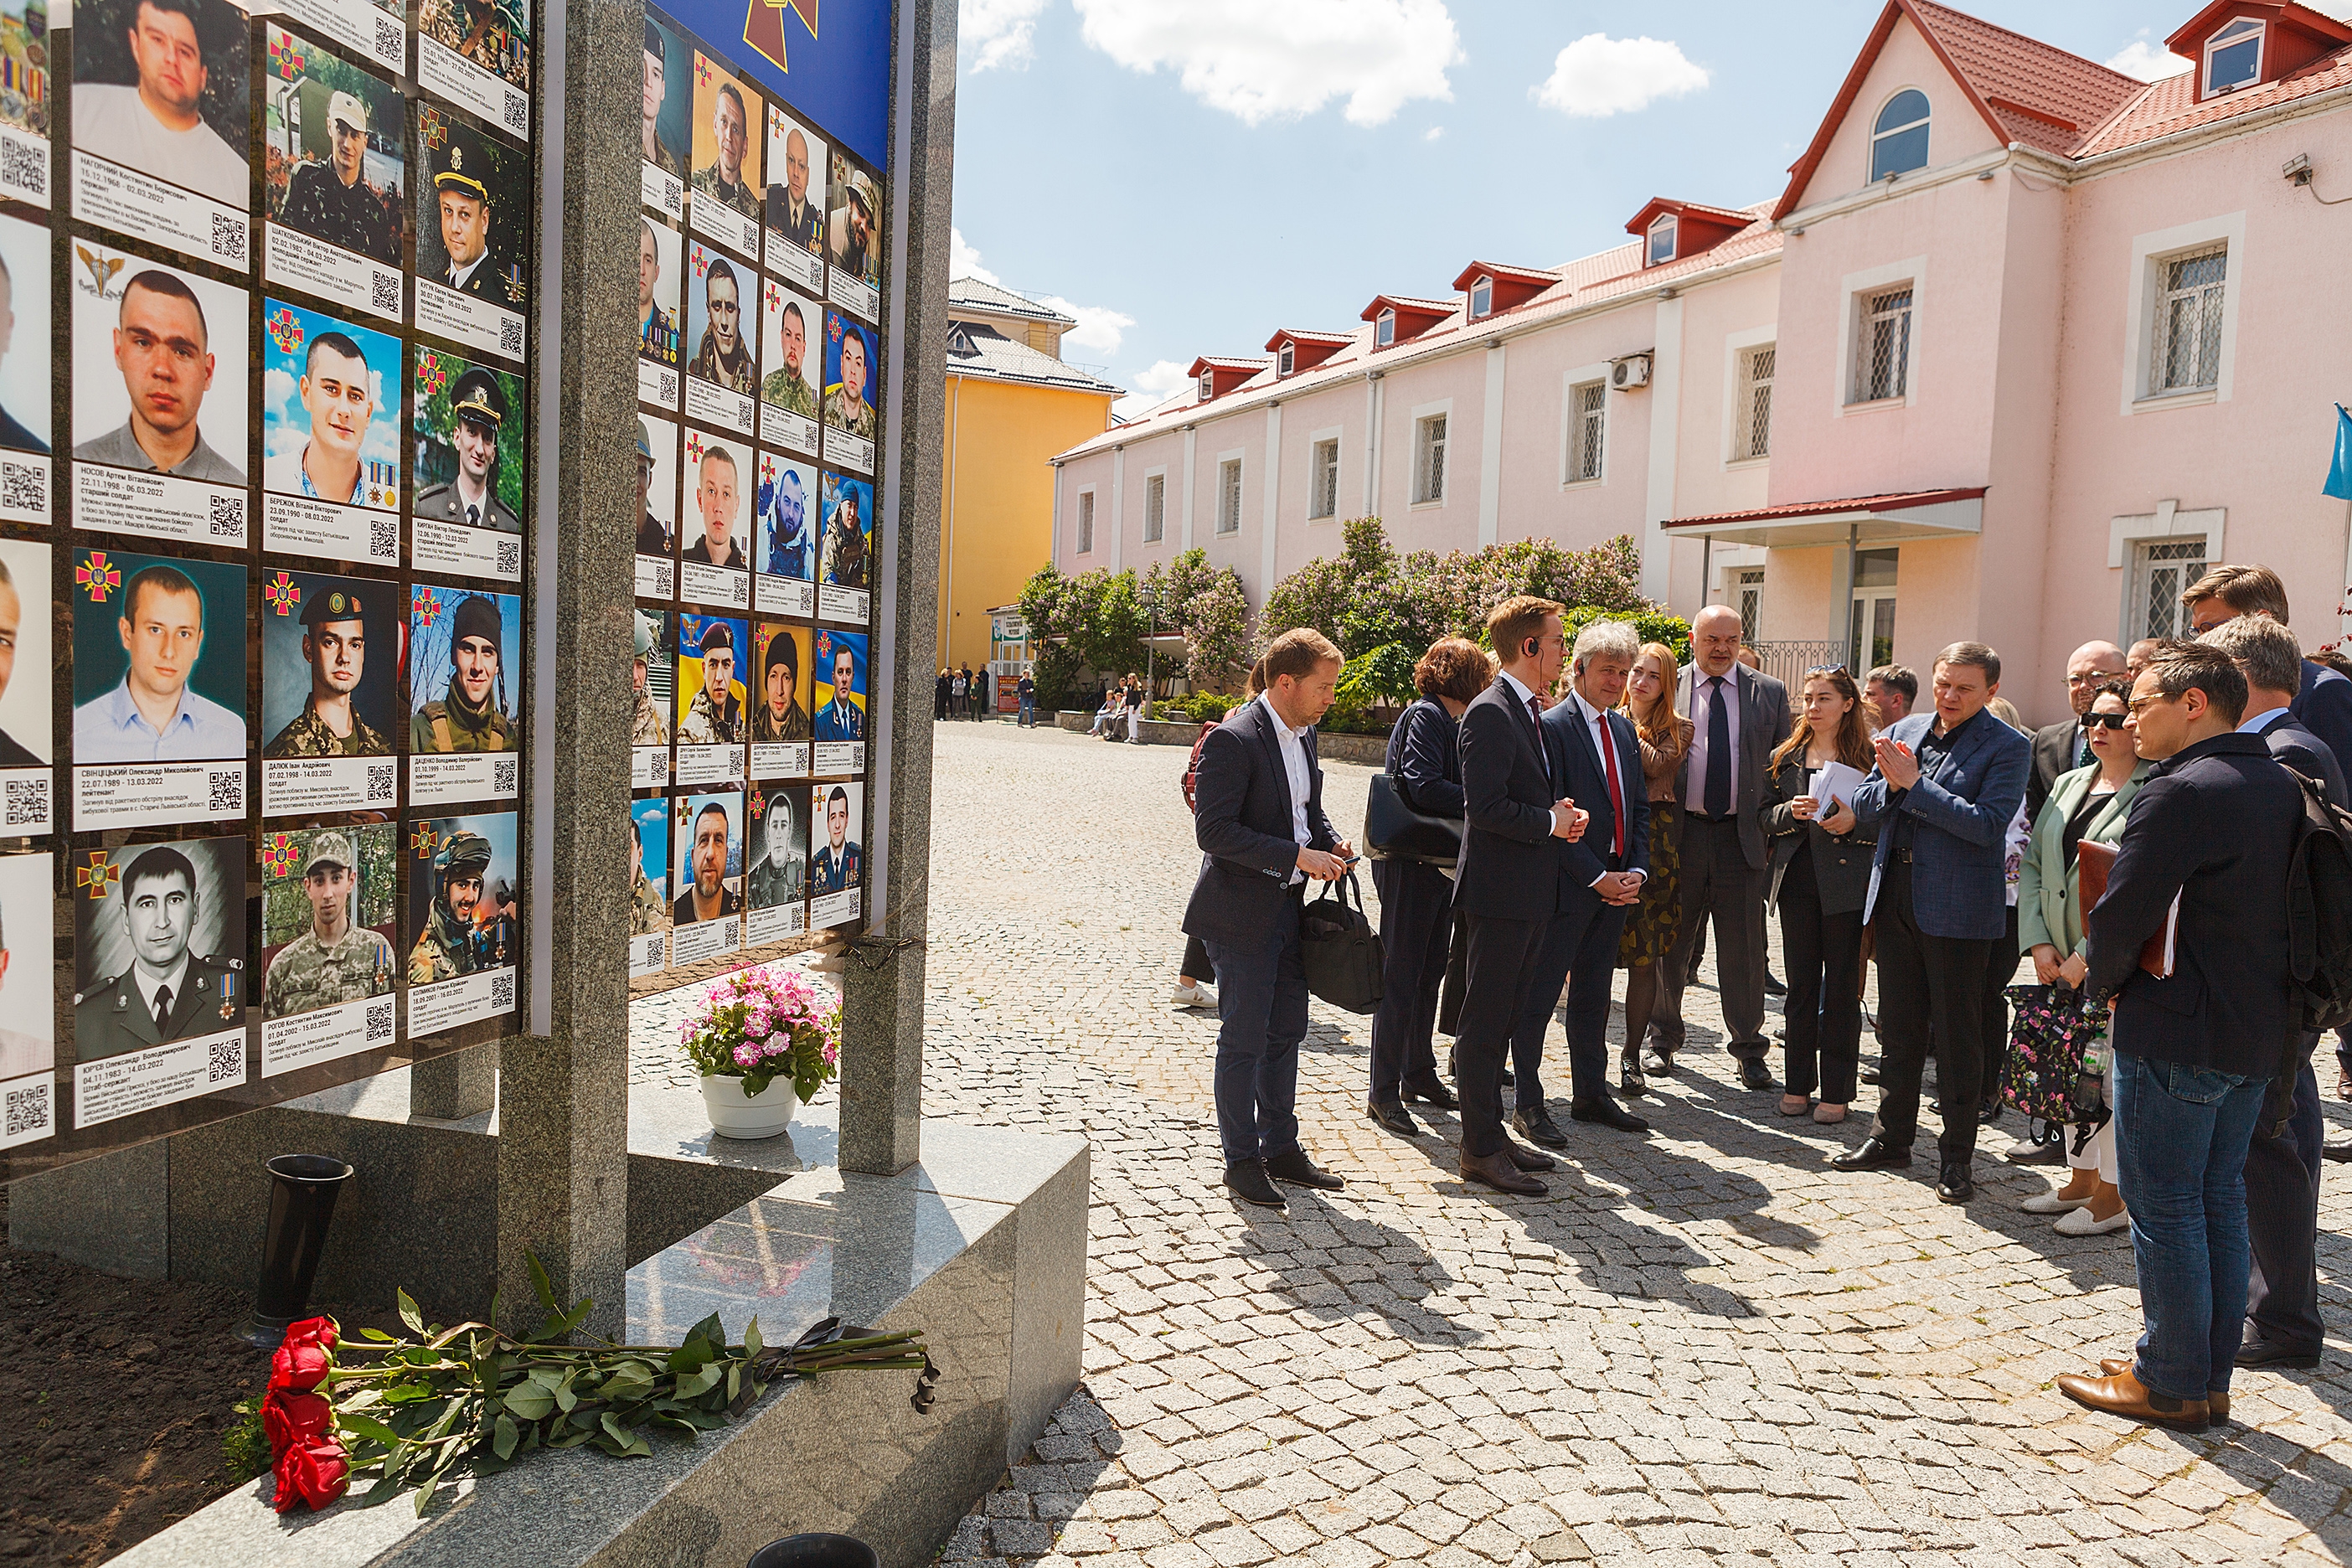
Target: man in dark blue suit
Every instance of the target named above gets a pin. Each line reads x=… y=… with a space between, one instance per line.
x=2197 y=1044
x=1597 y=758
x=1259 y=817
x=1946 y=787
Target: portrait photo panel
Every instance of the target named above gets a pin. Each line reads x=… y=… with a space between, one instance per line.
x=656 y=551
x=720 y=293
x=159 y=945
x=853 y=383
x=775 y=887
x=330 y=665
x=25 y=103
x=797 y=171
x=158 y=658
x=706 y=843
x=727 y=194
x=790 y=501
x=473 y=213
x=666 y=137
x=720 y=472
x=791 y=327
x=24 y=346
x=649 y=886
x=27 y=919
x=329 y=917
x=840 y=695
x=477 y=53
x=658 y=271
x=159 y=369
x=28 y=664
x=464 y=919
x=161 y=123
x=711 y=669
x=335 y=164
x=464 y=671
x=329 y=409
x=836 y=866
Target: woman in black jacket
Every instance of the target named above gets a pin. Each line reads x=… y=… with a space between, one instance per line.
x=1425 y=759
x=1820 y=879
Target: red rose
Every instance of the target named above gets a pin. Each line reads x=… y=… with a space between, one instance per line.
x=315 y=1473
x=290 y=1419
x=318 y=1331
x=298 y=1367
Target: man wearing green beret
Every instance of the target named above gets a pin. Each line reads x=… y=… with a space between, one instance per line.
x=335 y=961
x=467 y=718
x=334 y=645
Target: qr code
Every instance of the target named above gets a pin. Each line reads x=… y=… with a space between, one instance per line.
x=673 y=193
x=384 y=537
x=228 y=237
x=379 y=783
x=517 y=114
x=21 y=486
x=509 y=558
x=228 y=1063
x=26 y=168
x=669 y=389
x=502 y=990
x=502 y=776
x=28 y=1108
x=511 y=336
x=27 y=802
x=388 y=39
x=227 y=792
x=378 y=1022
x=383 y=293
x=228 y=517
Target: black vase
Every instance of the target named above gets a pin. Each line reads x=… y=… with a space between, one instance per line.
x=301 y=1201
x=815 y=1552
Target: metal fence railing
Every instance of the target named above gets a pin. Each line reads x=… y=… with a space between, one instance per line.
x=1788 y=661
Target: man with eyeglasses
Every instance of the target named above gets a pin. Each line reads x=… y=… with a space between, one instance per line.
x=2063 y=747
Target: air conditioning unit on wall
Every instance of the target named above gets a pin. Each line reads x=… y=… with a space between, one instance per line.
x=1633 y=371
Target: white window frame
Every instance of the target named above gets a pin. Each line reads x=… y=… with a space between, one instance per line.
x=1317 y=444
x=2229 y=36
x=1737 y=582
x=1878 y=135
x=1482 y=297
x=1857 y=287
x=2161 y=351
x=1571 y=381
x=1384 y=330
x=2150 y=254
x=1666 y=227
x=1425 y=415
x=1229 y=524
x=1083 y=534
x=1285 y=359
x=1208 y=385
x=2127 y=535
x=1738 y=349
x=1155 y=519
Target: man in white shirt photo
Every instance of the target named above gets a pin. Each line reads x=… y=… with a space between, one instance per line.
x=153 y=127
x=339 y=397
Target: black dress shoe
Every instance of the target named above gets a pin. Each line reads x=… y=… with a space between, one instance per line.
x=1772 y=985
x=2270 y=1352
x=1629 y=1075
x=1537 y=1127
x=1754 y=1074
x=1527 y=1159
x=1658 y=1061
x=1503 y=1175
x=2339 y=1152
x=1248 y=1180
x=1605 y=1111
x=1957 y=1183
x=1299 y=1170
x=1869 y=1074
x=1987 y=1113
x=1875 y=1154
x=1394 y=1117
x=1433 y=1093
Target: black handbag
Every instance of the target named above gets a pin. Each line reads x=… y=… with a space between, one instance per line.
x=1339 y=949
x=1393 y=830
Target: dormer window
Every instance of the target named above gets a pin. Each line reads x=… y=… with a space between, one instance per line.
x=1286 y=359
x=1662 y=233
x=1482 y=299
x=2233 y=56
x=1208 y=386
x=1898 y=139
x=1384 y=330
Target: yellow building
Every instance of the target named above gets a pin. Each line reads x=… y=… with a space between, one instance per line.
x=1012 y=404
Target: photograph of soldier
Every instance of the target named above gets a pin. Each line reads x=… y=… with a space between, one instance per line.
x=850 y=381
x=492 y=33
x=658 y=274
x=710 y=858
x=856 y=245
x=778 y=846
x=322 y=386
x=327 y=913
x=848 y=530
x=159 y=86
x=24 y=296
x=470 y=461
x=722 y=354
x=710 y=700
x=783 y=712
x=726 y=164
x=836 y=861
x=718 y=504
x=159 y=944
x=460 y=647
x=840 y=685
x=462 y=924
x=656 y=486
x=649 y=867
x=465 y=235
x=648 y=725
x=667 y=101
x=333 y=149
x=24 y=66
x=144 y=359
x=24 y=704
x=28 y=906
x=320 y=695
x=785 y=327
x=796 y=205
x=787 y=533
x=149 y=685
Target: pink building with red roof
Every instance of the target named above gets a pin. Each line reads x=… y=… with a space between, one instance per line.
x=2023 y=343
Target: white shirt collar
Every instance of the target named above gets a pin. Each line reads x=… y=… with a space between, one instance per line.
x=2261 y=722
x=177 y=980
x=1522 y=688
x=1592 y=715
x=1296 y=732
x=457 y=274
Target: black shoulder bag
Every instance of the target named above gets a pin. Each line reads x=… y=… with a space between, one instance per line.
x=1393 y=830
x=1339 y=949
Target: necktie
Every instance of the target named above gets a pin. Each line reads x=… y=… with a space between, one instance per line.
x=2084 y=755
x=1616 y=789
x=473 y=515
x=1535 y=713
x=1718 y=753
x=163 y=1010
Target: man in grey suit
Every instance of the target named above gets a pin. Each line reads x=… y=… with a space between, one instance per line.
x=1738 y=715
x=2063 y=747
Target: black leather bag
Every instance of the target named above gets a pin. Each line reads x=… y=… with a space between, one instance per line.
x=1393 y=830
x=1340 y=950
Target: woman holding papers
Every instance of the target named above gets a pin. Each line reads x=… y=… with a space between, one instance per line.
x=2088 y=803
x=1820 y=877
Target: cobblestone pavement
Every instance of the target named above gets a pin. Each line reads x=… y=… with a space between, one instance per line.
x=1702 y=1348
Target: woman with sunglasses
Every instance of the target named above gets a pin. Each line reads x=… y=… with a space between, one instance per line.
x=2089 y=802
x=1818 y=881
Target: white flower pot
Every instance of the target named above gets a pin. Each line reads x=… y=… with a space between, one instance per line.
x=734 y=1114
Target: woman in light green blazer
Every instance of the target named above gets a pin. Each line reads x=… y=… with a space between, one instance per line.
x=2089 y=802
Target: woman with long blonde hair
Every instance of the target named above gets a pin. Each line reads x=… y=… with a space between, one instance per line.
x=1665 y=738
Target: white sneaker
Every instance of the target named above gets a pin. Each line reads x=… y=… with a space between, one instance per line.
x=2053 y=1202
x=2079 y=1223
x=1195 y=996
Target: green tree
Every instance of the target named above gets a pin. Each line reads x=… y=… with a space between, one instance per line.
x=1208 y=607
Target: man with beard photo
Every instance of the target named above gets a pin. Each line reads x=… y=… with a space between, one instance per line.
x=723 y=357
x=842 y=564
x=786 y=388
x=334 y=645
x=788 y=536
x=780 y=716
x=853 y=227
x=706 y=897
x=467 y=718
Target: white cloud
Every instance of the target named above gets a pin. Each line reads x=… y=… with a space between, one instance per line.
x=1433 y=134
x=1263 y=62
x=1598 y=76
x=1152 y=387
x=1099 y=327
x=998 y=32
x=2146 y=61
x=963 y=261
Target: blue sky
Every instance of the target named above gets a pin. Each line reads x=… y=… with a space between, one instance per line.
x=1188 y=176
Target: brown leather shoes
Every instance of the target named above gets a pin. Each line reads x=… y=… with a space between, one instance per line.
x=2123 y=1393
x=2217 y=1401
x=1499 y=1171
x=1527 y=1159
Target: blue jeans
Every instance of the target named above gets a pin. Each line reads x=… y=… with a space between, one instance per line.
x=1261 y=1018
x=1028 y=707
x=2180 y=1145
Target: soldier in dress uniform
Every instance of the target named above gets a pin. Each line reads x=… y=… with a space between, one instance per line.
x=842 y=719
x=444 y=947
x=790 y=211
x=835 y=870
x=653 y=533
x=465 y=209
x=780 y=716
x=715 y=717
x=470 y=716
x=332 y=200
x=335 y=961
x=787 y=386
x=334 y=645
x=167 y=992
x=478 y=408
x=845 y=407
x=656 y=328
x=647 y=912
x=646 y=727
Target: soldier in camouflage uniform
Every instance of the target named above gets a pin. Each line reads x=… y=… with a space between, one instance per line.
x=646 y=727
x=467 y=719
x=652 y=148
x=841 y=560
x=845 y=407
x=730 y=138
x=334 y=962
x=334 y=645
x=715 y=717
x=647 y=911
x=444 y=947
x=786 y=388
x=780 y=716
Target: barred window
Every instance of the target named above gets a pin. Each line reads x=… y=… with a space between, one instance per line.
x=2189 y=321
x=1229 y=496
x=1752 y=435
x=1323 y=479
x=1883 y=356
x=2161 y=568
x=1085 y=522
x=1155 y=508
x=1587 y=430
x=1429 y=459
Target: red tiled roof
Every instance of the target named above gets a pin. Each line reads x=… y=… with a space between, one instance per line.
x=1543 y=276
x=2034 y=92
x=1640 y=222
x=2171 y=106
x=1300 y=335
x=1219 y=363
x=1409 y=302
x=1899 y=501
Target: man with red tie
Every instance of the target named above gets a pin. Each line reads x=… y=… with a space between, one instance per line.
x=1595 y=756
